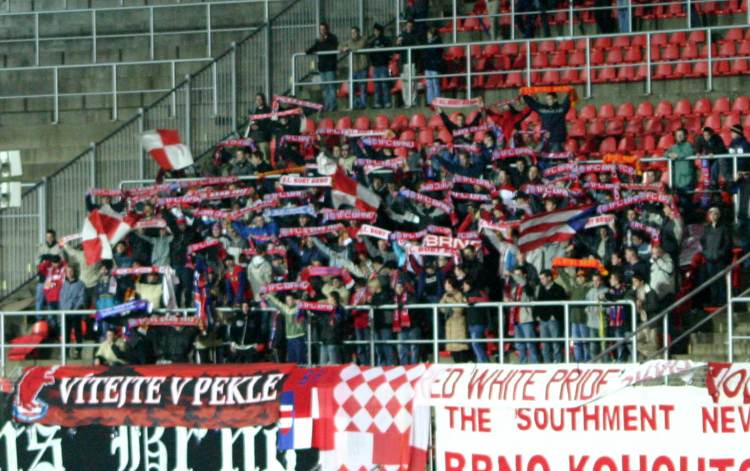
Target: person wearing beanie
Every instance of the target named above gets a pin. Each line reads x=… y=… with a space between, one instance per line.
x=740 y=145
x=379 y=61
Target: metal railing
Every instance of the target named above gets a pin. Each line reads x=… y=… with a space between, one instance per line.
x=155 y=26
x=103 y=80
x=205 y=107
x=723 y=276
x=17 y=6
x=373 y=342
x=572 y=15
x=528 y=75
x=731 y=336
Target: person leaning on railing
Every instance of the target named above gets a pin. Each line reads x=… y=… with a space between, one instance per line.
x=294 y=326
x=455 y=324
x=327 y=64
x=360 y=66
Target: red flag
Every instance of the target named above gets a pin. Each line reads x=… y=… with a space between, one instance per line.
x=345 y=190
x=102 y=229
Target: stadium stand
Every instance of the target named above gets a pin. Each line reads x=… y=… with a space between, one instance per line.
x=478 y=181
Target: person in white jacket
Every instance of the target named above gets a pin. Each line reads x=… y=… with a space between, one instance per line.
x=259 y=273
x=662 y=273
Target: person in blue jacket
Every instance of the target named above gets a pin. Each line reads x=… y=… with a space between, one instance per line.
x=552 y=114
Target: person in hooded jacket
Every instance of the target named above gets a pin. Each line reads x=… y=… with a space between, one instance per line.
x=404 y=326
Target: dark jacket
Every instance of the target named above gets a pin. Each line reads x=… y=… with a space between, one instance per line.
x=714 y=145
x=742 y=189
x=177 y=344
x=432 y=59
x=326 y=62
x=553 y=117
x=331 y=326
x=716 y=243
x=380 y=59
x=741 y=146
x=180 y=241
x=383 y=317
x=553 y=292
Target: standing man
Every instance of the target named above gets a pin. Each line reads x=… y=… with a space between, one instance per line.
x=360 y=67
x=379 y=61
x=409 y=37
x=550 y=317
x=327 y=64
x=716 y=244
x=552 y=114
x=432 y=60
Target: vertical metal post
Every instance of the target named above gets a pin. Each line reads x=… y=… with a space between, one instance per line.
x=570 y=19
x=435 y=347
x=528 y=63
x=634 y=339
x=513 y=20
x=208 y=29
x=351 y=79
x=411 y=69
x=56 y=93
x=92 y=167
x=2 y=343
x=214 y=89
x=500 y=334
x=689 y=15
x=36 y=38
x=233 y=85
x=93 y=36
x=142 y=160
x=709 y=58
x=665 y=336
x=730 y=318
x=188 y=114
x=468 y=71
x=669 y=170
x=114 y=92
x=372 y=337
x=398 y=17
x=588 y=67
x=455 y=22
x=309 y=342
x=63 y=338
x=735 y=197
x=173 y=72
x=294 y=75
x=648 y=63
x=151 y=32
x=361 y=15
x=630 y=16
x=566 y=326
x=267 y=74
x=42 y=209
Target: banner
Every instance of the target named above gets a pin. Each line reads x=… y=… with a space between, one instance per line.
x=205 y=396
x=581 y=418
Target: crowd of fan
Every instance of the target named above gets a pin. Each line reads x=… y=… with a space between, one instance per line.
x=641 y=252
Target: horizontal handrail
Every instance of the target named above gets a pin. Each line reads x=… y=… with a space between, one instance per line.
x=180 y=3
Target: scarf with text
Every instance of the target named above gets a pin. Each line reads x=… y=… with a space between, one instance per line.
x=287 y=100
x=426 y=200
x=274 y=115
x=166 y=321
x=563 y=262
x=342 y=273
x=472 y=130
x=389 y=143
x=372 y=231
x=570 y=91
x=310 y=231
x=347 y=215
x=288 y=180
x=440 y=102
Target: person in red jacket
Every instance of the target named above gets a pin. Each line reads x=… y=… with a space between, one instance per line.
x=508 y=119
x=54 y=277
x=235 y=283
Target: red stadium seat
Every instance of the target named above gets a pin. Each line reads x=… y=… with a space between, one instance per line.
x=491 y=50
x=551 y=77
x=614 y=128
x=659 y=39
x=345 y=122
x=325 y=123
x=607 y=111
x=603 y=43
x=689 y=52
x=634 y=127
x=713 y=121
x=515 y=80
x=741 y=104
x=608 y=146
x=400 y=123
x=734 y=34
x=702 y=107
x=418 y=121
x=721 y=105
x=571 y=76
x=362 y=123
x=678 y=38
x=426 y=137
x=648 y=144
x=671 y=53
x=665 y=142
x=663 y=71
x=407 y=135
x=645 y=109
x=577 y=58
x=727 y=49
x=577 y=129
x=664 y=109
x=614 y=56
x=738 y=67
x=596 y=128
x=626 y=145
x=653 y=126
x=633 y=55
x=621 y=41
x=683 y=108
x=683 y=69
x=588 y=112
x=698 y=36
x=309 y=126
x=381 y=122
x=626 y=110
x=605 y=75
x=435 y=122
x=559 y=59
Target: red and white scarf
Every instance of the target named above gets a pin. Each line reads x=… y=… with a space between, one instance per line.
x=389 y=143
x=472 y=130
x=141 y=271
x=371 y=164
x=256 y=117
x=198 y=246
x=350 y=132
x=401 y=319
x=166 y=321
x=481 y=182
x=500 y=154
x=549 y=190
x=288 y=286
x=455 y=102
x=310 y=272
x=432 y=251
x=436 y=186
x=347 y=215
x=287 y=100
x=597 y=221
x=310 y=231
x=313 y=306
x=372 y=231
x=636 y=199
x=426 y=200
x=287 y=195
x=401 y=236
x=652 y=232
x=151 y=223
x=288 y=180
x=469 y=196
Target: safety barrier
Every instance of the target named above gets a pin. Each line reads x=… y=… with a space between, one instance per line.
x=374 y=341
x=529 y=75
